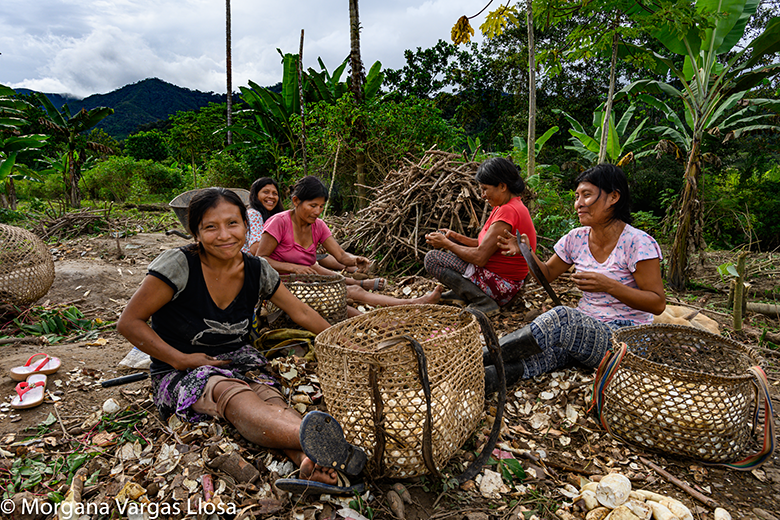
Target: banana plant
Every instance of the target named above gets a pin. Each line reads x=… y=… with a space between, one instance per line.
x=620 y=148
x=520 y=148
x=14 y=146
x=70 y=128
x=710 y=88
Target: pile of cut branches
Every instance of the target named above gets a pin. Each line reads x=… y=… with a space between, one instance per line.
x=438 y=191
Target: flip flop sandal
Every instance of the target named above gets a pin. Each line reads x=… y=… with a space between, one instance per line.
x=379 y=284
x=47 y=366
x=322 y=440
x=299 y=486
x=30 y=392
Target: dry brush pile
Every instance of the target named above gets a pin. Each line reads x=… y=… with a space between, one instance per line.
x=438 y=191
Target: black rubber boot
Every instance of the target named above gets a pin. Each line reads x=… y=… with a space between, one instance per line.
x=512 y=372
x=451 y=298
x=469 y=291
x=515 y=346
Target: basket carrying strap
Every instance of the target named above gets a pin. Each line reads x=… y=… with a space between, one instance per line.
x=753 y=461
x=609 y=366
x=422 y=367
x=607 y=369
x=491 y=340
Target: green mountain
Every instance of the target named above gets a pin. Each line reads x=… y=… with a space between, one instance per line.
x=143 y=103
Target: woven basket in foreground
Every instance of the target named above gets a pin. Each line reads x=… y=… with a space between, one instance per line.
x=370 y=376
x=683 y=391
x=26 y=266
x=325 y=294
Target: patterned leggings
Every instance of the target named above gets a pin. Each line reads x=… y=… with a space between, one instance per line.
x=436 y=261
x=564 y=335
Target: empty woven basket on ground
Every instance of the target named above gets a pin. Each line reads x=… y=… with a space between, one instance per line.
x=325 y=294
x=684 y=391
x=370 y=375
x=26 y=266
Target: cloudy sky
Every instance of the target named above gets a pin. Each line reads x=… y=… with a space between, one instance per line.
x=84 y=47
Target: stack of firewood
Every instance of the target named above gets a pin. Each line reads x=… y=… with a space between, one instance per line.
x=438 y=191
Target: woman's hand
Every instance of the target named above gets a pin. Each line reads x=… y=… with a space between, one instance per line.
x=508 y=242
x=301 y=269
x=593 y=282
x=438 y=239
x=189 y=361
x=362 y=263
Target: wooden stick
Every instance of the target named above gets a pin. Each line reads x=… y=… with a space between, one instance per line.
x=679 y=483
x=6 y=341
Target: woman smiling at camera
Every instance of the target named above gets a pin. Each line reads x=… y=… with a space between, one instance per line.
x=201 y=300
x=617 y=268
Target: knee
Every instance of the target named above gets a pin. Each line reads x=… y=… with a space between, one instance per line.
x=430 y=261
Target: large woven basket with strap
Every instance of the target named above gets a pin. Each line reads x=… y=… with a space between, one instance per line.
x=26 y=266
x=407 y=384
x=684 y=391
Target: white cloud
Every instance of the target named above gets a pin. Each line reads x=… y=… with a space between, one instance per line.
x=83 y=47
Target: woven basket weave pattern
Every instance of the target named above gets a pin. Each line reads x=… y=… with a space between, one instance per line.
x=683 y=391
x=26 y=266
x=327 y=295
x=347 y=351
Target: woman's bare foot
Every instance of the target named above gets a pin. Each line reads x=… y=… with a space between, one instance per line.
x=315 y=472
x=431 y=297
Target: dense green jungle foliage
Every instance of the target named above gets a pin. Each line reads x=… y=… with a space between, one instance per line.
x=470 y=99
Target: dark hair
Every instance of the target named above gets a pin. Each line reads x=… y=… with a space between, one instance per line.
x=609 y=178
x=309 y=188
x=208 y=198
x=255 y=204
x=496 y=170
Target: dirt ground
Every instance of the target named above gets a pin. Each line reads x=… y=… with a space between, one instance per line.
x=100 y=275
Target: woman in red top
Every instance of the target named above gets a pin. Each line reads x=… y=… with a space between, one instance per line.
x=474 y=268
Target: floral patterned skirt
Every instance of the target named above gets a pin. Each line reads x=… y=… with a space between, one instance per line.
x=175 y=392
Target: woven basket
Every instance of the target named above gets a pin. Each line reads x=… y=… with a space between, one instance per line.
x=371 y=374
x=181 y=204
x=682 y=391
x=26 y=266
x=325 y=294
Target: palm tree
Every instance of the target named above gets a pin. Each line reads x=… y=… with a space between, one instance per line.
x=70 y=129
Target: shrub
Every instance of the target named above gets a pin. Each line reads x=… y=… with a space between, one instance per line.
x=121 y=178
x=226 y=171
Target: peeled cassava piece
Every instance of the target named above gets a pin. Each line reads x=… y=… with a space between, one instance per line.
x=612 y=491
x=722 y=514
x=639 y=508
x=600 y=513
x=660 y=511
x=622 y=513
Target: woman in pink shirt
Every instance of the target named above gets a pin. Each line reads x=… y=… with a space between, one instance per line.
x=617 y=268
x=290 y=241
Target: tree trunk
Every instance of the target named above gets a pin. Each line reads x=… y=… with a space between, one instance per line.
x=357 y=92
x=690 y=208
x=229 y=70
x=73 y=181
x=531 y=90
x=610 y=97
x=11 y=188
x=302 y=104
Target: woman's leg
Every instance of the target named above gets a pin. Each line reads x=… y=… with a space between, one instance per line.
x=261 y=416
x=437 y=261
x=565 y=334
x=356 y=293
x=371 y=282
